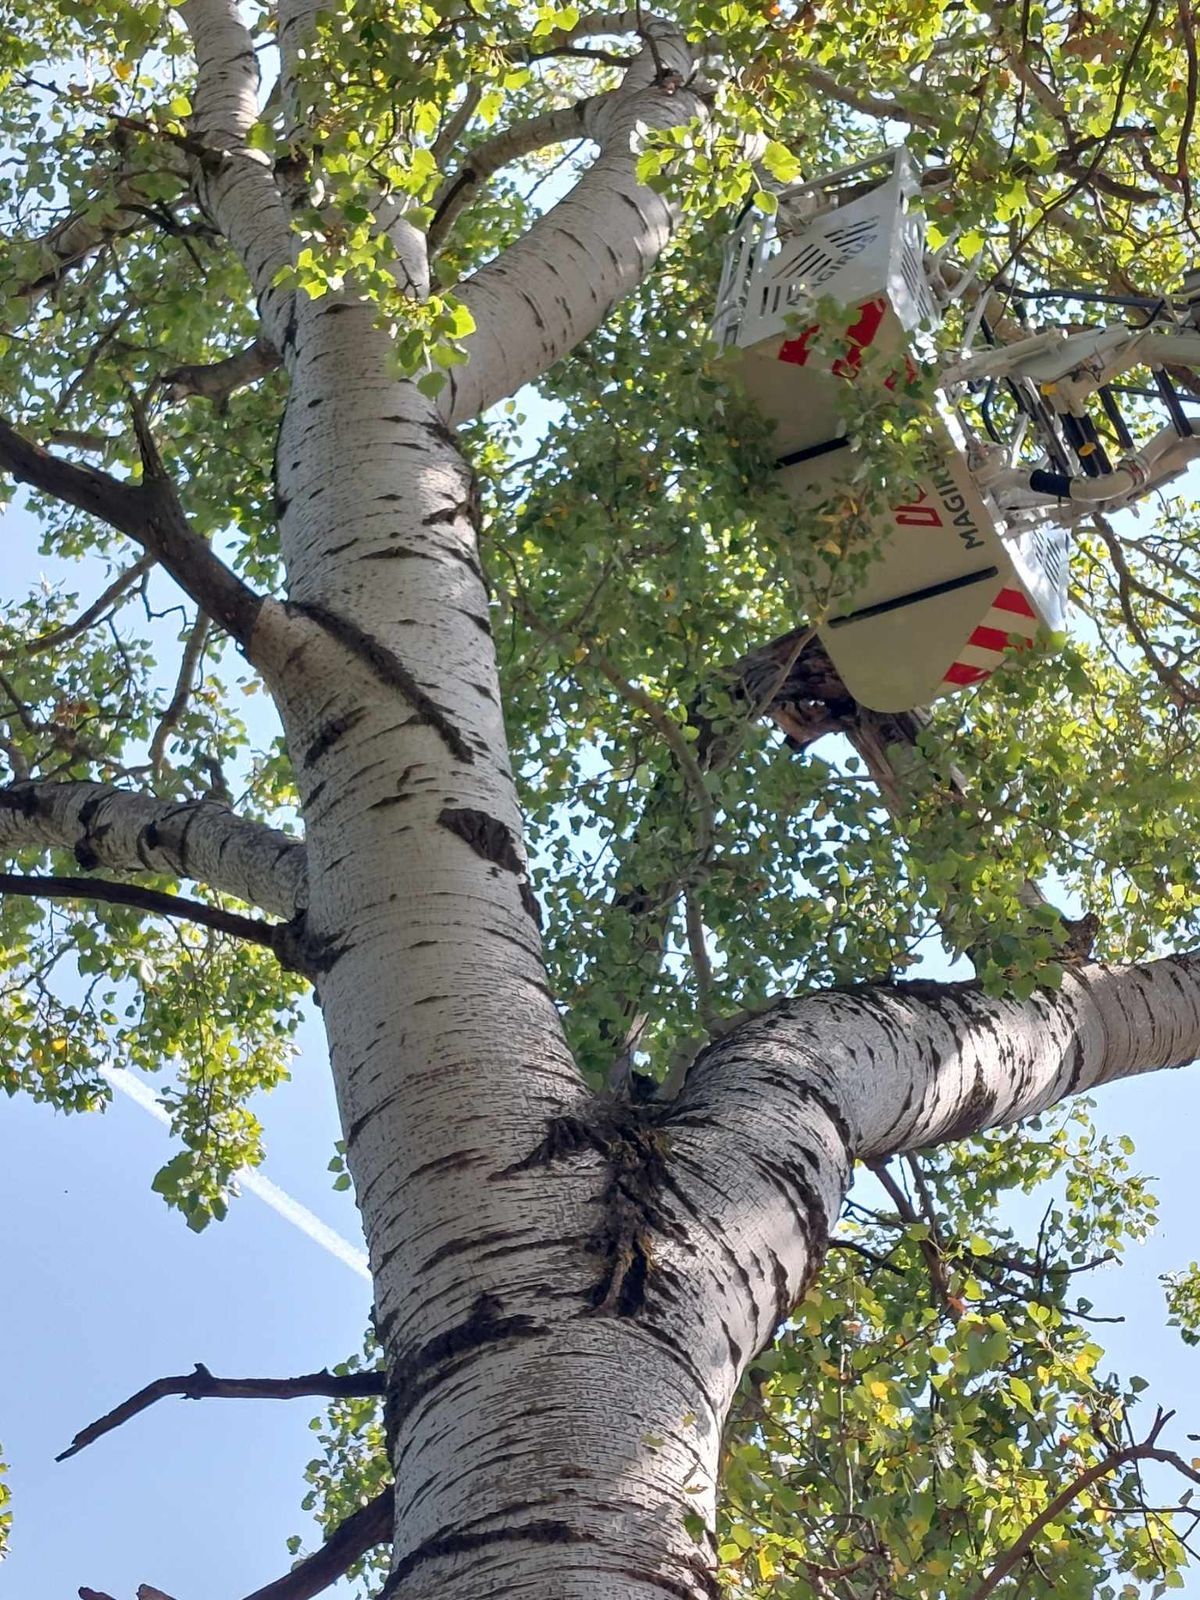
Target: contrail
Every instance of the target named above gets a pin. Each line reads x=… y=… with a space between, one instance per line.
x=270 y=1193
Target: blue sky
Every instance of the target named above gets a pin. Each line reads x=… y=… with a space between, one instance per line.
x=105 y=1290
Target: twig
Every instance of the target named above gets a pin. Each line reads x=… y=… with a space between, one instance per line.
x=121 y=584
x=184 y=684
x=930 y=1249
x=1086 y=175
x=673 y=736
x=872 y=1256
x=1046 y=97
x=202 y=1385
x=860 y=100
x=82 y=439
x=361 y=1531
x=637 y=697
x=1173 y=681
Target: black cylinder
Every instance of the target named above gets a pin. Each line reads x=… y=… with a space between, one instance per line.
x=1055 y=483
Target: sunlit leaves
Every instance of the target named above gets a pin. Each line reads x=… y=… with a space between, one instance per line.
x=941 y=1385
x=97 y=988
x=351 y=1469
x=1183 y=1302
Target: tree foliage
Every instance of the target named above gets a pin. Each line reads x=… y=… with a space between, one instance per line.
x=929 y=1396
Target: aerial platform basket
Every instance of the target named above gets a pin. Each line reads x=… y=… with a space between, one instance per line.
x=955 y=583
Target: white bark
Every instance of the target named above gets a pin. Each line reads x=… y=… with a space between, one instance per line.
x=567 y=1289
x=237 y=188
x=557 y=283
x=520 y=1417
x=567 y=1292
x=771 y=1119
x=123 y=831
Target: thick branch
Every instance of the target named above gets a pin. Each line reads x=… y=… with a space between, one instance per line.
x=239 y=192
x=77 y=239
x=917 y=1064
x=150 y=513
x=772 y=1117
x=561 y=126
x=544 y=294
x=202 y=1385
x=127 y=832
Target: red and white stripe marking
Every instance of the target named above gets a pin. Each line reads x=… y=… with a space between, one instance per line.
x=1011 y=613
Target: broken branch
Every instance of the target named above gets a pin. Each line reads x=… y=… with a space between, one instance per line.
x=202 y=1385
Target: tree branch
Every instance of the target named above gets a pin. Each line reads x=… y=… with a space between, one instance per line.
x=202 y=1385
x=772 y=1116
x=240 y=193
x=278 y=937
x=361 y=1531
x=931 y=1250
x=151 y=515
x=549 y=289
x=918 y=1064
x=193 y=651
x=862 y=101
x=1178 y=687
x=79 y=236
x=121 y=585
x=219 y=379
x=457 y=122
x=125 y=831
x=561 y=126
x=1148 y=1450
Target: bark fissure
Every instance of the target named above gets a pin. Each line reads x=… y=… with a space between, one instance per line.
x=411 y=1377
x=544 y=1531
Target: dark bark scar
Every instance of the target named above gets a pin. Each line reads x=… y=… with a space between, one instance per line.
x=414 y=1375
x=329 y=735
x=492 y=840
x=387 y=666
x=634 y=1150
